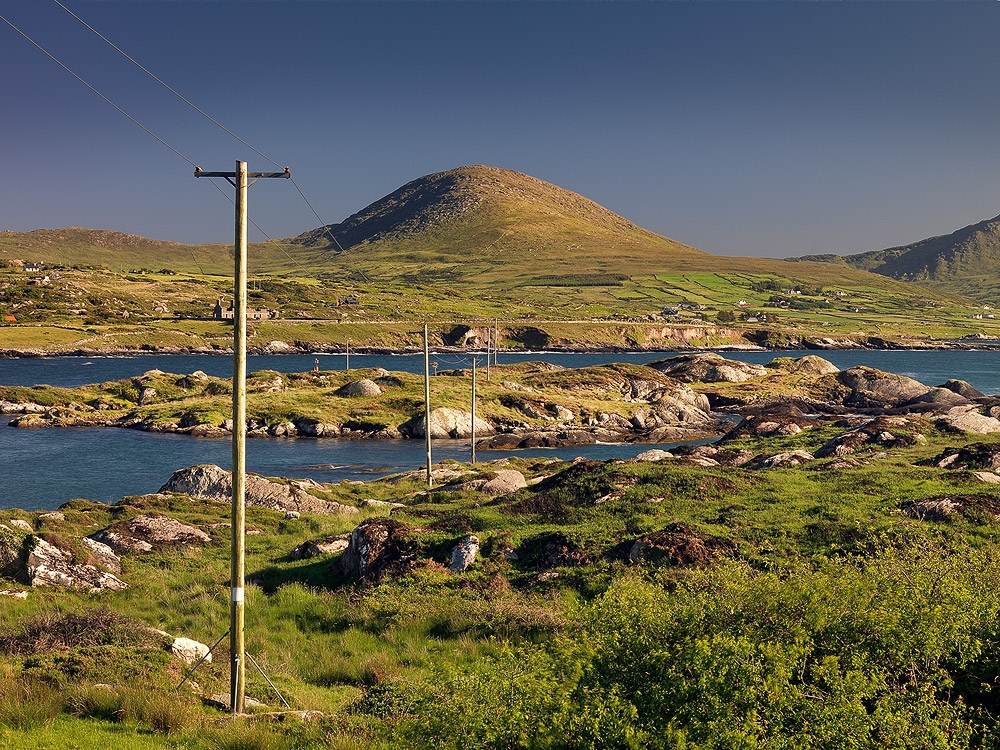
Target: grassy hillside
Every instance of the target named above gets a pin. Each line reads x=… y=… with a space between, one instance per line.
x=678 y=603
x=467 y=245
x=965 y=261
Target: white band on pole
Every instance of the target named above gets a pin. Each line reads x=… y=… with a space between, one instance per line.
x=238 y=594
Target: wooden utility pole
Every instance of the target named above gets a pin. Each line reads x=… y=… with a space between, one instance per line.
x=496 y=339
x=348 y=363
x=474 y=409
x=489 y=337
x=427 y=406
x=237 y=667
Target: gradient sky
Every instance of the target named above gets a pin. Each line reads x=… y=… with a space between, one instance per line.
x=765 y=129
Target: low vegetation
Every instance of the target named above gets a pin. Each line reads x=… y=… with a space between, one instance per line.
x=674 y=603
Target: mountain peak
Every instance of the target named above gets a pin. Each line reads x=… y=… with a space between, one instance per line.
x=472 y=193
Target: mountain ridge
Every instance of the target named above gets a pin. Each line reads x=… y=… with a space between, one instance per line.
x=965 y=260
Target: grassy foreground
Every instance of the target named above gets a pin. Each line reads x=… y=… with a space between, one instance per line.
x=620 y=604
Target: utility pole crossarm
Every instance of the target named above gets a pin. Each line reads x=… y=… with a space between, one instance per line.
x=287 y=174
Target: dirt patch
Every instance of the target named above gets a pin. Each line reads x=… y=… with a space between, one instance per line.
x=678 y=546
x=551 y=550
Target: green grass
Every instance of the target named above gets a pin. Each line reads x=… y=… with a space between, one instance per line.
x=403 y=663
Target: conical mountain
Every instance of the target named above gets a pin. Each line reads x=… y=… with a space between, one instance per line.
x=487 y=221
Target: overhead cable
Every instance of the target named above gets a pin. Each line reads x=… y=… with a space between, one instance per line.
x=120 y=110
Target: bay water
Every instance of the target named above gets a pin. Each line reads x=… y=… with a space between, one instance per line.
x=41 y=469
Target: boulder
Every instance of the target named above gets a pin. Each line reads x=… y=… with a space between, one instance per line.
x=369 y=503
x=873 y=388
x=503 y=482
x=708 y=367
x=20 y=524
x=314 y=548
x=363 y=387
x=213 y=483
x=935 y=400
x=448 y=423
x=463 y=555
x=190 y=651
x=962 y=389
x=103 y=556
x=807 y=365
x=654 y=454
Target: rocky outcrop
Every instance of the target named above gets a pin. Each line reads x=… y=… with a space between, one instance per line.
x=48 y=565
x=883 y=432
x=874 y=388
x=501 y=482
x=708 y=367
x=447 y=423
x=539 y=439
x=968 y=419
x=147 y=532
x=12 y=551
x=379 y=547
x=213 y=483
x=678 y=546
x=807 y=365
x=783 y=460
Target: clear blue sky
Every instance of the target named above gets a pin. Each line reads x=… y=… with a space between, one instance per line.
x=767 y=129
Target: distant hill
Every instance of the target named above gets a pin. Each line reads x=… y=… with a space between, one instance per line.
x=966 y=261
x=490 y=223
x=484 y=241
x=113 y=250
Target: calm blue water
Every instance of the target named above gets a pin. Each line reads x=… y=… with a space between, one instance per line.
x=980 y=368
x=44 y=468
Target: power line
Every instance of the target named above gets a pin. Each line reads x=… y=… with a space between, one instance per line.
x=165 y=85
x=203 y=113
x=187 y=101
x=62 y=65
x=214 y=121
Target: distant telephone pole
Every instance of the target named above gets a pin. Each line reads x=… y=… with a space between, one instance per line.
x=474 y=409
x=427 y=406
x=237 y=667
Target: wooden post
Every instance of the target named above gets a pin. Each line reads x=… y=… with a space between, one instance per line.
x=489 y=337
x=237 y=670
x=474 y=409
x=348 y=363
x=496 y=340
x=427 y=405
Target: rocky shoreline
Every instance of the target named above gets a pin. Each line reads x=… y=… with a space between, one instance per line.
x=685 y=398
x=767 y=343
